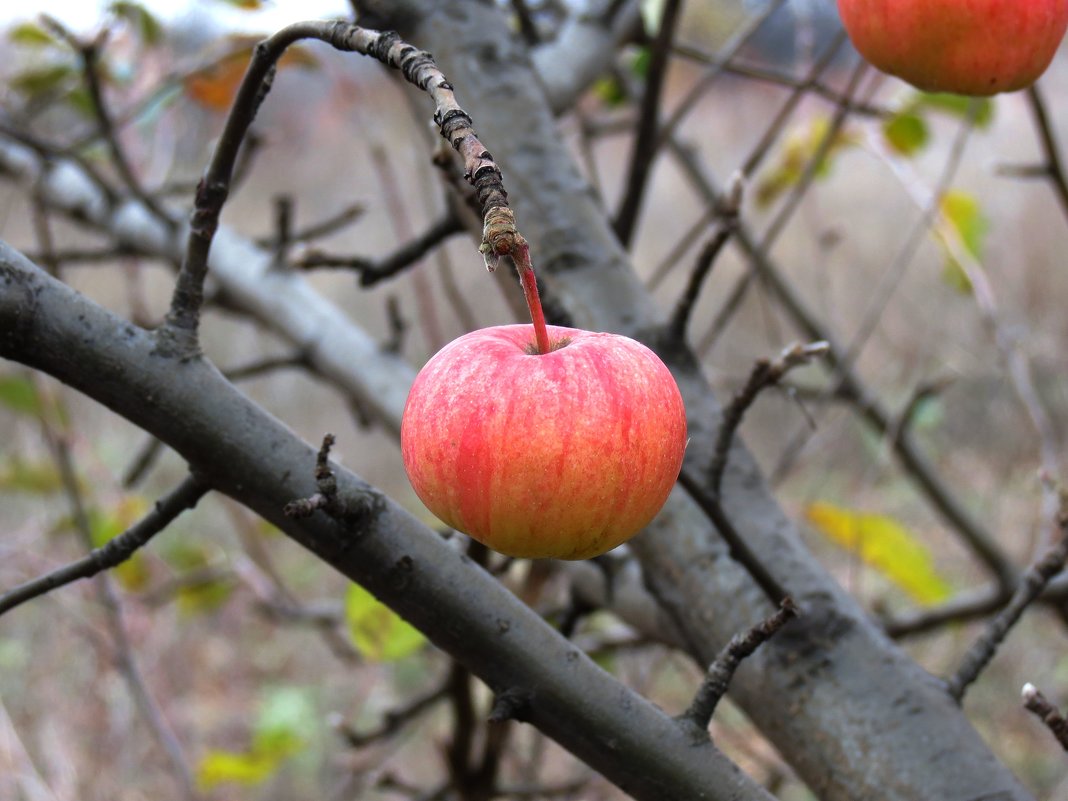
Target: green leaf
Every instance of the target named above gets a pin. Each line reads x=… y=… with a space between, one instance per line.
x=287 y=719
x=81 y=101
x=886 y=545
x=202 y=597
x=639 y=66
x=35 y=478
x=609 y=92
x=965 y=226
x=147 y=26
x=982 y=108
x=906 y=133
x=18 y=393
x=187 y=558
x=377 y=632
x=42 y=80
x=31 y=35
x=800 y=147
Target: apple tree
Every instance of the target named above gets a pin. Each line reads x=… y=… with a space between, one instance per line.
x=225 y=258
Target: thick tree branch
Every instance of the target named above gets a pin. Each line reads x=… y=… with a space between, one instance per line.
x=242 y=451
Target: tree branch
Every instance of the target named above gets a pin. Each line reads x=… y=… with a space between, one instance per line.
x=1032 y=584
x=242 y=451
x=721 y=671
x=1034 y=701
x=115 y=551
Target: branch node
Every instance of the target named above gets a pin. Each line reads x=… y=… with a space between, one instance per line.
x=511 y=704
x=764 y=374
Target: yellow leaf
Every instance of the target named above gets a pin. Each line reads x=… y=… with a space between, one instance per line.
x=886 y=545
x=220 y=767
x=962 y=232
x=801 y=147
x=377 y=632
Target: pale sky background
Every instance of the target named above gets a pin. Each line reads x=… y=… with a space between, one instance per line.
x=81 y=15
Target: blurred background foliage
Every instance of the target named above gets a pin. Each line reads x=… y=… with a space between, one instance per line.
x=280 y=680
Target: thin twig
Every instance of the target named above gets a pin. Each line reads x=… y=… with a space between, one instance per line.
x=1034 y=701
x=392 y=721
x=739 y=549
x=714 y=68
x=764 y=374
x=372 y=271
x=499 y=236
x=268 y=365
x=1054 y=167
x=398 y=327
x=728 y=216
x=328 y=226
x=850 y=385
x=646 y=140
x=145 y=458
x=115 y=551
x=783 y=79
x=756 y=157
x=124 y=657
x=722 y=669
x=1032 y=583
x=89 y=53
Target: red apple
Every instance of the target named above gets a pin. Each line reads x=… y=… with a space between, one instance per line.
x=564 y=454
x=970 y=47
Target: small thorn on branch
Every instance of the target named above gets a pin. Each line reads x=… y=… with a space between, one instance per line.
x=511 y=704
x=765 y=373
x=722 y=670
x=326 y=497
x=1034 y=701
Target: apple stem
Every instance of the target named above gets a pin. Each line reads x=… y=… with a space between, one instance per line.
x=500 y=238
x=530 y=292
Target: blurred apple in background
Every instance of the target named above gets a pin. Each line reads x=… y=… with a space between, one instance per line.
x=969 y=47
x=565 y=454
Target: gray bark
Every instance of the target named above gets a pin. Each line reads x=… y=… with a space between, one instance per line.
x=239 y=449
x=854 y=715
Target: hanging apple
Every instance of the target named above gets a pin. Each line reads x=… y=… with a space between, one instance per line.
x=969 y=47
x=563 y=451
